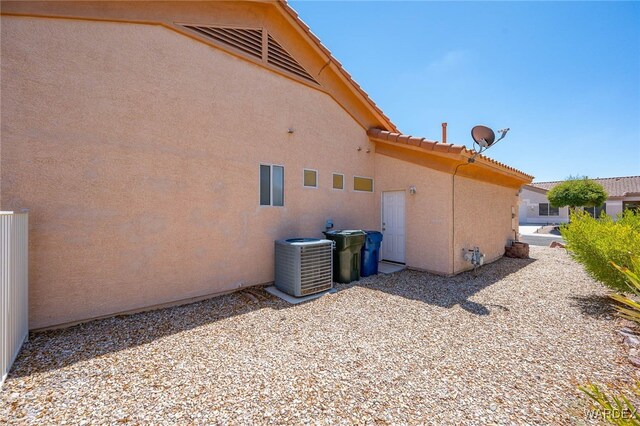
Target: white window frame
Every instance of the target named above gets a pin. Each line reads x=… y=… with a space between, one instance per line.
x=548 y=211
x=270 y=165
x=343 y=183
x=603 y=209
x=373 y=184
x=317 y=178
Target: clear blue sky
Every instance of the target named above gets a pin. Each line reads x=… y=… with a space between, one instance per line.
x=565 y=77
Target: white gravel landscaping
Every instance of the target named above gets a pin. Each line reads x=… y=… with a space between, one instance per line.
x=507 y=347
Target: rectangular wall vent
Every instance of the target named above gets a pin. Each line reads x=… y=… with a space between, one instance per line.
x=247 y=40
x=280 y=58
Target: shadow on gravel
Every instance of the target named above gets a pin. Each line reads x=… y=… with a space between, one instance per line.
x=594 y=306
x=54 y=349
x=448 y=292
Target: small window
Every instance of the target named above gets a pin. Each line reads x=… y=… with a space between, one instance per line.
x=338 y=181
x=631 y=205
x=310 y=178
x=543 y=209
x=596 y=211
x=363 y=184
x=546 y=209
x=271 y=185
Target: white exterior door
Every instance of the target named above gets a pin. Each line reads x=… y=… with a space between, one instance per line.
x=393 y=226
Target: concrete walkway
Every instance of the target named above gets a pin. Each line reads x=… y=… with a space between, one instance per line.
x=528 y=235
x=389 y=268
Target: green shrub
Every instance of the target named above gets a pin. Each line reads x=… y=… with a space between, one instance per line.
x=629 y=308
x=616 y=409
x=596 y=242
x=577 y=191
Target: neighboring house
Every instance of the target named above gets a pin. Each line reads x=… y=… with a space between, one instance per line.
x=162 y=148
x=624 y=193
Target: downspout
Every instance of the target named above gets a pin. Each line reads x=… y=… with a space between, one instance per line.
x=453 y=217
x=453 y=204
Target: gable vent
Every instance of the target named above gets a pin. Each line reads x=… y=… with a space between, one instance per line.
x=246 y=40
x=280 y=58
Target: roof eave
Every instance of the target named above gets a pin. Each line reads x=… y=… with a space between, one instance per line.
x=458 y=154
x=292 y=16
x=536 y=189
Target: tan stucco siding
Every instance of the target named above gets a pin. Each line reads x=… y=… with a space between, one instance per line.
x=427 y=214
x=138 y=150
x=483 y=219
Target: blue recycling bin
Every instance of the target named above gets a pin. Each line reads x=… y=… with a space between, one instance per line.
x=370 y=253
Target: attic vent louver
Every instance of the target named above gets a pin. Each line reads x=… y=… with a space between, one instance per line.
x=280 y=58
x=247 y=40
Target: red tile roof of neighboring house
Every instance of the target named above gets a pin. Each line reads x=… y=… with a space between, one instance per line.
x=436 y=147
x=615 y=186
x=339 y=66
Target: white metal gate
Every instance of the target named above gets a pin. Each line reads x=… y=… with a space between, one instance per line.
x=14 y=320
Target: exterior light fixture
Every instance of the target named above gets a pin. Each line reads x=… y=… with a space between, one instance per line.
x=412 y=190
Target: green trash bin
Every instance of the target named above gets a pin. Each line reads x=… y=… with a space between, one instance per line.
x=346 y=257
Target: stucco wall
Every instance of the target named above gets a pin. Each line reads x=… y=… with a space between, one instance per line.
x=615 y=207
x=482 y=219
x=138 y=150
x=428 y=212
x=482 y=214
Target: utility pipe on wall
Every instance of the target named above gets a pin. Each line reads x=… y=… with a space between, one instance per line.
x=453 y=216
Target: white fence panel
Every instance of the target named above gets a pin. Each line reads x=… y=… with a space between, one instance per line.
x=14 y=280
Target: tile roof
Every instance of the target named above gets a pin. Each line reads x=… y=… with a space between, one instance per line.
x=436 y=146
x=327 y=52
x=615 y=186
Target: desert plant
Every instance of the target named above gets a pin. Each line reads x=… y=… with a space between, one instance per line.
x=619 y=409
x=596 y=242
x=629 y=308
x=577 y=191
x=615 y=409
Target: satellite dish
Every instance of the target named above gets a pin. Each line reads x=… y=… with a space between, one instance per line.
x=483 y=136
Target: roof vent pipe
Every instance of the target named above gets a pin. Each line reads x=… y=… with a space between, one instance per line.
x=444 y=132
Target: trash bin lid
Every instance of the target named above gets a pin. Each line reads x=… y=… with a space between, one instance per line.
x=374 y=236
x=345 y=232
x=346 y=237
x=351 y=232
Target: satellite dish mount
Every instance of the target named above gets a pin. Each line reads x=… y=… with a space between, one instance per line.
x=485 y=138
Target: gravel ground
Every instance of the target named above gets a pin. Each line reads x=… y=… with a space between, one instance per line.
x=507 y=347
